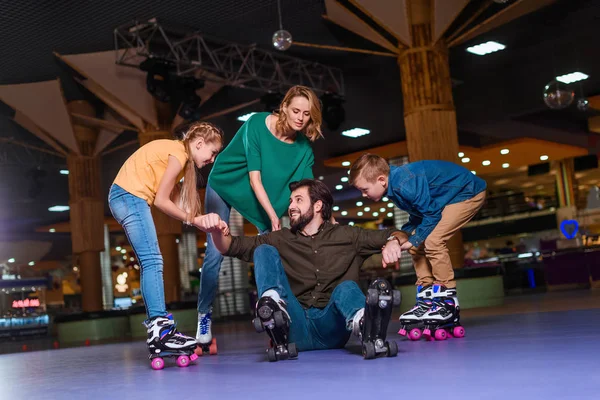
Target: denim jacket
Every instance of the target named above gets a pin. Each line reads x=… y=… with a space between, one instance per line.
x=424 y=188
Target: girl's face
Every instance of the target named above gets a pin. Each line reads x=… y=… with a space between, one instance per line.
x=204 y=153
x=297 y=113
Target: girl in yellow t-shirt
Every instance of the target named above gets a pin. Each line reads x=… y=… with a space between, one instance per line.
x=148 y=178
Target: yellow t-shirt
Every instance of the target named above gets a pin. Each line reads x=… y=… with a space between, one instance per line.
x=142 y=172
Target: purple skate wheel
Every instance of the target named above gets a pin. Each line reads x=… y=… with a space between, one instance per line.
x=458 y=332
x=415 y=334
x=193 y=357
x=402 y=332
x=157 y=363
x=183 y=361
x=440 y=334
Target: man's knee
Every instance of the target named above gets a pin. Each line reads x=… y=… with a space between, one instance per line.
x=434 y=244
x=347 y=286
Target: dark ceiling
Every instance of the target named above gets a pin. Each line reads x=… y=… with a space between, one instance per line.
x=497 y=97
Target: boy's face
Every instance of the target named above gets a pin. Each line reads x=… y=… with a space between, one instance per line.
x=372 y=190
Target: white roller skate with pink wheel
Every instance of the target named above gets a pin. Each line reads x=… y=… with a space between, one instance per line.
x=443 y=319
x=165 y=341
x=411 y=322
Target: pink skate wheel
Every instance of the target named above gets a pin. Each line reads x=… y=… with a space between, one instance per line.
x=157 y=363
x=415 y=334
x=402 y=332
x=213 y=347
x=458 y=332
x=427 y=332
x=193 y=357
x=183 y=361
x=440 y=334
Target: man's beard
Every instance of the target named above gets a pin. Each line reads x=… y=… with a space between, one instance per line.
x=302 y=221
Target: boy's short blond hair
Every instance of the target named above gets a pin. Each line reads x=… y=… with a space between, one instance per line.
x=369 y=167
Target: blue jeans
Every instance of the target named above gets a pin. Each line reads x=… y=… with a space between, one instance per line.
x=211 y=266
x=312 y=328
x=133 y=213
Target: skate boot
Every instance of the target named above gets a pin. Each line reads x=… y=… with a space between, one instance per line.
x=412 y=320
x=206 y=343
x=164 y=340
x=272 y=316
x=443 y=318
x=378 y=310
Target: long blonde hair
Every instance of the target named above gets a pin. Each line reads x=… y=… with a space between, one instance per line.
x=190 y=199
x=313 y=128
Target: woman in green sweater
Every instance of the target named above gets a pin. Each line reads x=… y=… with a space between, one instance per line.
x=252 y=175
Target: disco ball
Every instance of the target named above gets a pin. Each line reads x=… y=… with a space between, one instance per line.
x=282 y=40
x=557 y=95
x=583 y=104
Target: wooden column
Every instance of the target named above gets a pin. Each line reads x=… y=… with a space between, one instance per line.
x=429 y=114
x=566 y=189
x=167 y=230
x=87 y=209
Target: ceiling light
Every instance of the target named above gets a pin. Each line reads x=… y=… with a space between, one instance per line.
x=544 y=157
x=359 y=203
x=375 y=214
x=51 y=230
x=344 y=179
x=11 y=260
x=336 y=208
x=31 y=263
x=58 y=208
x=382 y=209
x=355 y=132
x=505 y=165
x=339 y=187
x=360 y=213
x=345 y=163
x=504 y=151
x=384 y=199
x=344 y=212
x=118 y=248
x=465 y=160
x=351 y=223
x=390 y=205
x=245 y=117
x=486 y=162
x=474 y=173
x=390 y=214
x=321 y=177
x=461 y=154
x=64 y=172
x=367 y=209
x=572 y=77
x=486 y=48
x=123 y=251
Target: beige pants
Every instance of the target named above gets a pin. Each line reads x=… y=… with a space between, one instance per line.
x=431 y=259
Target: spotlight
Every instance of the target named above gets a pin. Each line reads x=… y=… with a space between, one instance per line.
x=333 y=112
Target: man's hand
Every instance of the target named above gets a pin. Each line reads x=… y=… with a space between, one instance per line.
x=210 y=223
x=406 y=246
x=401 y=236
x=391 y=253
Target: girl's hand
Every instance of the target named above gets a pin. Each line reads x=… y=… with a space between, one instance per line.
x=275 y=224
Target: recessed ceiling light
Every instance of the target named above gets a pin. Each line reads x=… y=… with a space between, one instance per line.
x=505 y=165
x=321 y=177
x=58 y=208
x=384 y=199
x=64 y=172
x=504 y=151
x=544 y=157
x=344 y=179
x=461 y=154
x=355 y=132
x=367 y=209
x=31 y=263
x=572 y=77
x=339 y=187
x=474 y=173
x=486 y=48
x=465 y=160
x=390 y=214
x=345 y=163
x=486 y=162
x=51 y=230
x=382 y=209
x=360 y=213
x=375 y=214
x=336 y=208
x=351 y=223
x=359 y=203
x=11 y=260
x=245 y=117
x=390 y=205
x=344 y=212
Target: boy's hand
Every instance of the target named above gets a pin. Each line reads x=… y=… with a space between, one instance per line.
x=391 y=253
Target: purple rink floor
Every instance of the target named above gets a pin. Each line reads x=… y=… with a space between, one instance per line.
x=520 y=356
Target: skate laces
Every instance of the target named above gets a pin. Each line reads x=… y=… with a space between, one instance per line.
x=205 y=323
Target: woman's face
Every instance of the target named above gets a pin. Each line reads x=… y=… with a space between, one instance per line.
x=298 y=113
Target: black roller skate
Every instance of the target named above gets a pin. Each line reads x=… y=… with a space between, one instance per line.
x=165 y=341
x=443 y=319
x=412 y=320
x=378 y=310
x=272 y=316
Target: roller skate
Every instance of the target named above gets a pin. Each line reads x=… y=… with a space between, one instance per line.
x=206 y=343
x=443 y=319
x=272 y=316
x=164 y=340
x=412 y=320
x=374 y=323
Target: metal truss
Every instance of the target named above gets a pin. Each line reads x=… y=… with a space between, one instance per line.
x=234 y=64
